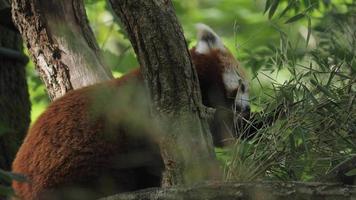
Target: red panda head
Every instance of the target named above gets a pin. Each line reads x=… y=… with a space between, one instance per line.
x=222 y=81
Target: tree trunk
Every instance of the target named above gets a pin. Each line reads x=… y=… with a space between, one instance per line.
x=61 y=43
x=247 y=191
x=14 y=98
x=172 y=82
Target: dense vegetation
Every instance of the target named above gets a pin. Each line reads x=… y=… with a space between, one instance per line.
x=300 y=56
x=316 y=131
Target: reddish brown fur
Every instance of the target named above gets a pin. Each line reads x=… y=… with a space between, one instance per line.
x=209 y=68
x=67 y=145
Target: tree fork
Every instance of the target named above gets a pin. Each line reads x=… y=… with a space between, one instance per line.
x=159 y=43
x=61 y=43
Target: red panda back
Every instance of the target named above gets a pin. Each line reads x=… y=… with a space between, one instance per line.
x=67 y=146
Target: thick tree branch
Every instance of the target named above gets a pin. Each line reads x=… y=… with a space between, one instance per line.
x=61 y=43
x=159 y=42
x=246 y=191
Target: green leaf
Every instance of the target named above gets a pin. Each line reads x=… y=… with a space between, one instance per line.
x=310 y=95
x=267 y=6
x=295 y=18
x=309 y=30
x=273 y=9
x=351 y=172
x=322 y=89
x=290 y=5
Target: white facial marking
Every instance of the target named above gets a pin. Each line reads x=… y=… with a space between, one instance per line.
x=207 y=39
x=232 y=81
x=202 y=48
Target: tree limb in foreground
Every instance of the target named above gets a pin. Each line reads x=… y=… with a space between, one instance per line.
x=159 y=43
x=246 y=191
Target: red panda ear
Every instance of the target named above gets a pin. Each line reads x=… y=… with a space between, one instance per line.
x=207 y=40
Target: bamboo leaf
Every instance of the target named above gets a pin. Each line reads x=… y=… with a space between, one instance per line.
x=351 y=172
x=309 y=30
x=295 y=18
x=273 y=8
x=290 y=5
x=310 y=95
x=322 y=89
x=267 y=6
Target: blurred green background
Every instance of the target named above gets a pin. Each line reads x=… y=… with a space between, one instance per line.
x=300 y=56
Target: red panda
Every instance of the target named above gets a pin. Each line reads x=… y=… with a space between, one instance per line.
x=85 y=138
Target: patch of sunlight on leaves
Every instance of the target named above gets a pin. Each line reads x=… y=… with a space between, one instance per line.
x=38 y=95
x=37 y=109
x=117 y=74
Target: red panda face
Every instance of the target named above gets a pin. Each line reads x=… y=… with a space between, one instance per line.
x=222 y=81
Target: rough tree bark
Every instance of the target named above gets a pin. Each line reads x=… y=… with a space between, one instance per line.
x=61 y=43
x=158 y=40
x=14 y=97
x=247 y=191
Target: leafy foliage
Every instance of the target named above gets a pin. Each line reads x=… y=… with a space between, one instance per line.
x=316 y=130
